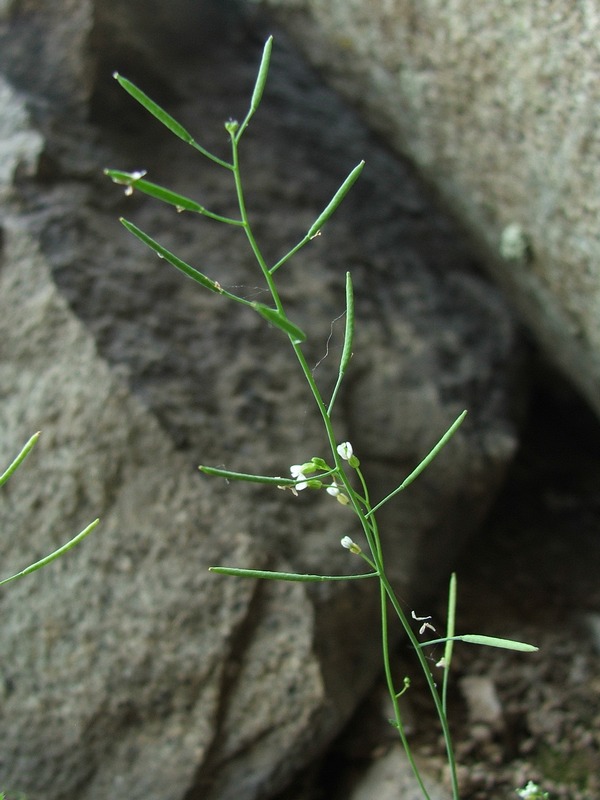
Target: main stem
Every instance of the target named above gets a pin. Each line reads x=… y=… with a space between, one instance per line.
x=369 y=522
x=279 y=306
x=430 y=681
x=369 y=525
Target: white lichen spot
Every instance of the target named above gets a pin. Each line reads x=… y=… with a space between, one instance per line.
x=515 y=244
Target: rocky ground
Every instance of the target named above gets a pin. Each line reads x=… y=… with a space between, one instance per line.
x=531 y=575
x=535 y=575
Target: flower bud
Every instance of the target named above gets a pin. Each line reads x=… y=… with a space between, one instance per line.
x=350 y=545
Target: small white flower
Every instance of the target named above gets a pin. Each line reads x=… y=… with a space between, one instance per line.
x=335 y=491
x=532 y=792
x=350 y=545
x=345 y=450
x=298 y=475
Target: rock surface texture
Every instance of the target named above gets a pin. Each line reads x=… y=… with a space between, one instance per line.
x=498 y=104
x=127 y=670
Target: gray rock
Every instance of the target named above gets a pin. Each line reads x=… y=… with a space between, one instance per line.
x=20 y=145
x=391 y=777
x=590 y=622
x=132 y=671
x=482 y=701
x=498 y=106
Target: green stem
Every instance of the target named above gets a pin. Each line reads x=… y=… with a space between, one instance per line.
x=367 y=518
x=430 y=682
x=289 y=254
x=13 y=467
x=279 y=305
x=371 y=530
x=56 y=554
x=425 y=462
x=267 y=574
x=392 y=688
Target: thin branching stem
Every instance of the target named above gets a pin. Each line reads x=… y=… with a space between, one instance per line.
x=367 y=520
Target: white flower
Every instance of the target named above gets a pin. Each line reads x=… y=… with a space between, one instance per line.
x=350 y=545
x=298 y=475
x=345 y=450
x=532 y=792
x=334 y=491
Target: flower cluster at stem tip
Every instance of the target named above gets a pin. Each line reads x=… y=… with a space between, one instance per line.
x=301 y=472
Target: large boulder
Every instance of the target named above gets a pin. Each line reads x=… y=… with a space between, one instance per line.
x=498 y=105
x=127 y=669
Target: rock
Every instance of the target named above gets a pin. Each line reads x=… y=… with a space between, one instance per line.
x=44 y=51
x=133 y=672
x=20 y=144
x=590 y=622
x=391 y=777
x=499 y=108
x=483 y=705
